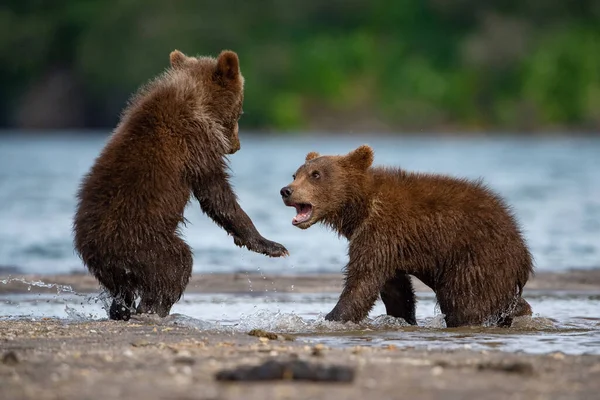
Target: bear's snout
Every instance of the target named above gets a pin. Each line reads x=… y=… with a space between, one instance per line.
x=286 y=192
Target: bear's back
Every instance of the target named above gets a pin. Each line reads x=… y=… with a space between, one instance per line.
x=440 y=210
x=138 y=183
x=433 y=193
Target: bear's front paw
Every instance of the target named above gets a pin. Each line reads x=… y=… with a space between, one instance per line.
x=274 y=249
x=266 y=247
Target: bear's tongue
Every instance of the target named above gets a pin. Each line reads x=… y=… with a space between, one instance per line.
x=304 y=212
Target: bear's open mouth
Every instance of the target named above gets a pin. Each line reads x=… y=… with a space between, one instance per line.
x=304 y=212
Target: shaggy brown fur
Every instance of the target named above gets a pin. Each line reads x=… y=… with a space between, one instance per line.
x=171 y=141
x=456 y=236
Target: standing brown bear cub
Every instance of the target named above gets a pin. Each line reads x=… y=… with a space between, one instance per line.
x=171 y=141
x=456 y=236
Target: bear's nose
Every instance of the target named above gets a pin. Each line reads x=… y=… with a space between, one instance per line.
x=286 y=192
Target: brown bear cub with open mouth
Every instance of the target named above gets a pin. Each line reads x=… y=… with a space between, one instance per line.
x=172 y=141
x=455 y=235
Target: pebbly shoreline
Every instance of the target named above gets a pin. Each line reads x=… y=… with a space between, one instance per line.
x=52 y=359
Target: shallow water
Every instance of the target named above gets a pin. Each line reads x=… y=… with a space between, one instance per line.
x=552 y=184
x=563 y=321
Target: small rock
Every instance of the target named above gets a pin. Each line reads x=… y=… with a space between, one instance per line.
x=263 y=339
x=141 y=343
x=10 y=358
x=184 y=353
x=558 y=356
x=517 y=367
x=437 y=371
x=263 y=334
x=288 y=370
x=186 y=370
x=318 y=350
x=186 y=360
x=391 y=347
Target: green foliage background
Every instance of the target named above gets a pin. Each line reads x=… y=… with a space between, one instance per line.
x=413 y=64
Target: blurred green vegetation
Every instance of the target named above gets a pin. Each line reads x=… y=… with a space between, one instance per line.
x=381 y=64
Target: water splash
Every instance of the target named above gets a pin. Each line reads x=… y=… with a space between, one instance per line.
x=59 y=288
x=385 y=322
x=190 y=322
x=292 y=323
x=272 y=321
x=72 y=312
x=249 y=283
x=438 y=321
x=77 y=315
x=533 y=323
x=262 y=275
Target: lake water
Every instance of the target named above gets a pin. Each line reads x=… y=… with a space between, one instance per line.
x=552 y=184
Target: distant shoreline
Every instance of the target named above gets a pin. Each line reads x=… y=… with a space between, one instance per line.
x=572 y=280
x=349 y=131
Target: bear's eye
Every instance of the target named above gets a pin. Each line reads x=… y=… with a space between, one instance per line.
x=315 y=175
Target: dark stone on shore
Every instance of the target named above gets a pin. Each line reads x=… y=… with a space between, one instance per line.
x=295 y=370
x=10 y=358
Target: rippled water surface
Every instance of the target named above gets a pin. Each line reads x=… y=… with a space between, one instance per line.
x=553 y=185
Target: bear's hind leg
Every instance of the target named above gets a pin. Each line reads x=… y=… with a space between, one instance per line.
x=170 y=277
x=121 y=307
x=399 y=298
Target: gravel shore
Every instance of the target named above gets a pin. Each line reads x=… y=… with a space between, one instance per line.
x=52 y=359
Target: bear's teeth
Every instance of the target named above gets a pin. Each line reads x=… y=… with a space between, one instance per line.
x=304 y=213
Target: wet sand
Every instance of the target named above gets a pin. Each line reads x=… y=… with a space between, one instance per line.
x=149 y=359
x=313 y=283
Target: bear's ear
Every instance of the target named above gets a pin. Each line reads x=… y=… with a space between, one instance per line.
x=312 y=155
x=177 y=58
x=228 y=65
x=361 y=158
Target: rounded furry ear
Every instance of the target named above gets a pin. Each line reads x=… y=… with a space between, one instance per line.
x=177 y=58
x=362 y=157
x=228 y=65
x=312 y=155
